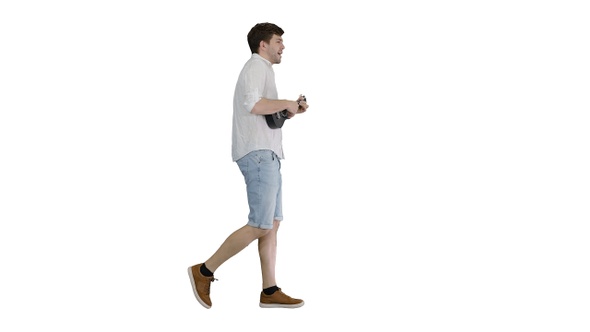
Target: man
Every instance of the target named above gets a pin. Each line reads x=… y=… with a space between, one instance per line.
x=257 y=149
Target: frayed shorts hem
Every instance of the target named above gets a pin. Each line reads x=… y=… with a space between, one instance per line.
x=263 y=226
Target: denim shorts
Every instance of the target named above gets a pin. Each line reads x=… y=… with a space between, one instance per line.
x=262 y=174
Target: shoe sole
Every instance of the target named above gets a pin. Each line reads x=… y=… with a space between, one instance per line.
x=278 y=305
x=192 y=277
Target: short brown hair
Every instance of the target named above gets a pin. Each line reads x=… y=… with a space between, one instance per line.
x=260 y=32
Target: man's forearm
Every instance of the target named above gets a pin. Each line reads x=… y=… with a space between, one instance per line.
x=269 y=106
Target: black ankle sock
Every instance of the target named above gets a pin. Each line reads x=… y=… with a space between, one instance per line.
x=270 y=290
x=205 y=271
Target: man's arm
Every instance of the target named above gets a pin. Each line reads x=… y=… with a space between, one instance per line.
x=269 y=106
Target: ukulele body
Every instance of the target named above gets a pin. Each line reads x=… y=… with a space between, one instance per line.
x=277 y=119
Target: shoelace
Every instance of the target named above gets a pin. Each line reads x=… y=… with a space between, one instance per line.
x=208 y=285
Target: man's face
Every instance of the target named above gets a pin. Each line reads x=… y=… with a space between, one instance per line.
x=275 y=49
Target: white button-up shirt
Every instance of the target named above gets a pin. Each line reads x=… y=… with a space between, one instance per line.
x=250 y=131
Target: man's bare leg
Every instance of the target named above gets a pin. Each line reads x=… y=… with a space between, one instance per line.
x=267 y=250
x=235 y=243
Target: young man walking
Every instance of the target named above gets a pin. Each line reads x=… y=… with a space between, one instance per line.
x=257 y=149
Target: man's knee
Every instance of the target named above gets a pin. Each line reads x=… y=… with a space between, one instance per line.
x=259 y=232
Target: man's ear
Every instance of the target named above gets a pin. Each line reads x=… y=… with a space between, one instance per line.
x=262 y=45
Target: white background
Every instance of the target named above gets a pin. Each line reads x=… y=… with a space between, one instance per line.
x=439 y=180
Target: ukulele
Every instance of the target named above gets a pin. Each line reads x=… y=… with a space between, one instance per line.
x=277 y=119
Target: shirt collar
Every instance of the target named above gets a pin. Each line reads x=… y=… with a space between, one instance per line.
x=256 y=55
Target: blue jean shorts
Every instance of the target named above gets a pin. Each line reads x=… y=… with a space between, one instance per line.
x=262 y=174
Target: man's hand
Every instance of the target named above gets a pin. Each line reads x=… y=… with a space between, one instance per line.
x=302 y=104
x=298 y=106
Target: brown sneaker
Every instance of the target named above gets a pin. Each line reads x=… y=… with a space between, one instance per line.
x=279 y=300
x=201 y=285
